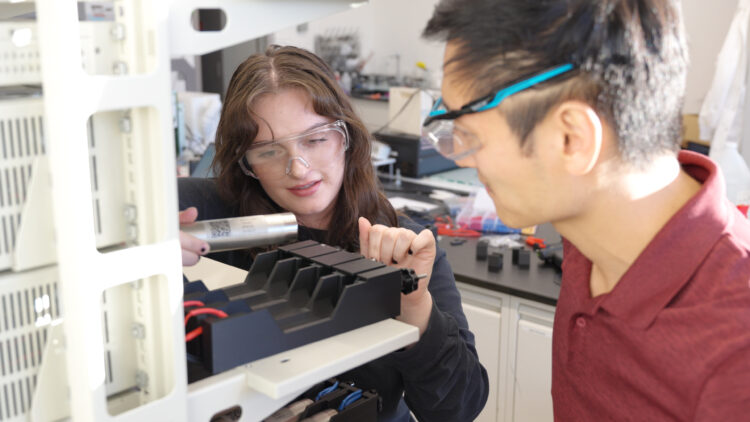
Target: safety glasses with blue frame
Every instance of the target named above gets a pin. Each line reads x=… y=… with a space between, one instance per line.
x=440 y=131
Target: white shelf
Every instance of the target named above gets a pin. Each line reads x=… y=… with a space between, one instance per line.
x=282 y=374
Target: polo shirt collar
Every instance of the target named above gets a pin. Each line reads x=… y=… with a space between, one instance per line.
x=669 y=261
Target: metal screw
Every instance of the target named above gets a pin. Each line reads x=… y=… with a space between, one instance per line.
x=138 y=330
x=130 y=212
x=118 y=32
x=131 y=232
x=126 y=125
x=141 y=380
x=120 y=68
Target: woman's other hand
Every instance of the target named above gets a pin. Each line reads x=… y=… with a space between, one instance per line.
x=402 y=248
x=192 y=247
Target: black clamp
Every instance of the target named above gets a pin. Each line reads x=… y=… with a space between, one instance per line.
x=552 y=256
x=409 y=280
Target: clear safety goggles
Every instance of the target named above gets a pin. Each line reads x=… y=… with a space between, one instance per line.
x=440 y=131
x=316 y=148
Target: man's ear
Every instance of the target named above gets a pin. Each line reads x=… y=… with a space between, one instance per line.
x=581 y=128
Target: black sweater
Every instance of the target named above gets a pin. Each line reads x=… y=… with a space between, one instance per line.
x=440 y=377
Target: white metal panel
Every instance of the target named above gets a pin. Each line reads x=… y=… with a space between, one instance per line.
x=84 y=273
x=530 y=363
x=19 y=64
x=486 y=325
x=246 y=19
x=533 y=380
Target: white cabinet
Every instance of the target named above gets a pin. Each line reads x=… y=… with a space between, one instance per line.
x=514 y=343
x=529 y=362
x=485 y=318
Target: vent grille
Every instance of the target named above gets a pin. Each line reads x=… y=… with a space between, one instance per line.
x=21 y=141
x=28 y=304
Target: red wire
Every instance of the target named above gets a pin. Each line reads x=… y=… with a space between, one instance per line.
x=193 y=334
x=192 y=303
x=201 y=311
x=198 y=331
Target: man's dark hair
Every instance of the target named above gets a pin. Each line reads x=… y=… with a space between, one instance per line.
x=630 y=58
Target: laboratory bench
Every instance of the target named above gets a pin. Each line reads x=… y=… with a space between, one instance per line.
x=538 y=282
x=510 y=312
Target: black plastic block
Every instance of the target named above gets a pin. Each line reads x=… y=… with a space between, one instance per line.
x=495 y=262
x=524 y=258
x=482 y=248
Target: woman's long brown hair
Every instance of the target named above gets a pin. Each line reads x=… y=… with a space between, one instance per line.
x=290 y=67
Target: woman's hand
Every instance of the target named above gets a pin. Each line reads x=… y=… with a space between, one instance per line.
x=402 y=248
x=192 y=247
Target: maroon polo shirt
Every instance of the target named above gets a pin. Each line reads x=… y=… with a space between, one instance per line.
x=671 y=341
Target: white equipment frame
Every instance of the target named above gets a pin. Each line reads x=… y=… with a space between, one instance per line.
x=62 y=272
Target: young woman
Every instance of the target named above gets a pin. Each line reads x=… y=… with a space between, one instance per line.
x=289 y=140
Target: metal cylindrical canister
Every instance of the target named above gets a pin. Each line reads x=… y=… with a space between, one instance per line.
x=244 y=232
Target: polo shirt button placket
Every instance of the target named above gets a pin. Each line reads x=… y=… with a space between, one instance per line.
x=581 y=322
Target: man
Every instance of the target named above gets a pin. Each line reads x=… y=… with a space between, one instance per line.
x=570 y=111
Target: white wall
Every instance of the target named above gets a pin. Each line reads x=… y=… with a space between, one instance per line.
x=707 y=23
x=386 y=28
x=389 y=27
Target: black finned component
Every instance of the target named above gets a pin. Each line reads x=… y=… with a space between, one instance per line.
x=281 y=276
x=495 y=262
x=292 y=296
x=524 y=258
x=313 y=251
x=358 y=266
x=260 y=269
x=336 y=258
x=303 y=286
x=297 y=245
x=514 y=256
x=482 y=247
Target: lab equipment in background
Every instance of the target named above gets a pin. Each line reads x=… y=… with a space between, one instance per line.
x=380 y=151
x=202 y=111
x=244 y=232
x=340 y=48
x=415 y=158
x=736 y=172
x=346 y=82
x=292 y=296
x=203 y=166
x=480 y=215
x=552 y=255
x=380 y=154
x=407 y=109
x=724 y=113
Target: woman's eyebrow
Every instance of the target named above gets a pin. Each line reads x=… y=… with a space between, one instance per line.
x=315 y=125
x=266 y=142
